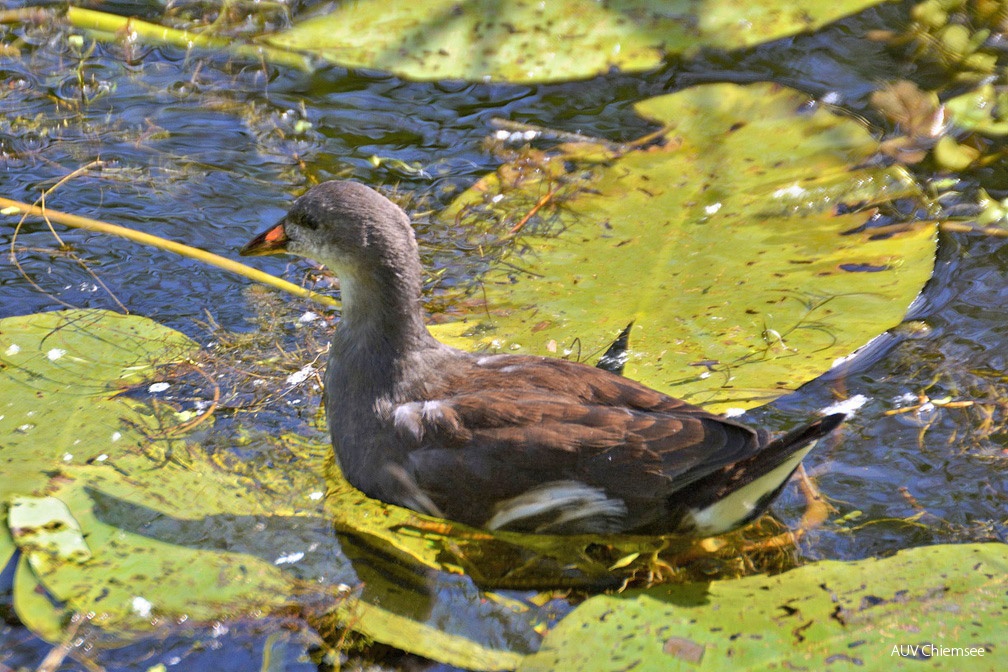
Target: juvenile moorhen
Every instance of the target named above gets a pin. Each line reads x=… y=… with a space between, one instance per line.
x=514 y=442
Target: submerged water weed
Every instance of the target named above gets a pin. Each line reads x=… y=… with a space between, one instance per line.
x=278 y=364
x=984 y=413
x=231 y=18
x=956 y=405
x=974 y=397
x=966 y=136
x=957 y=36
x=949 y=121
x=62 y=107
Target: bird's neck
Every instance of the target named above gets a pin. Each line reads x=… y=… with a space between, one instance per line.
x=381 y=323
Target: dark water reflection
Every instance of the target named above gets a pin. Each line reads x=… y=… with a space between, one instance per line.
x=206 y=152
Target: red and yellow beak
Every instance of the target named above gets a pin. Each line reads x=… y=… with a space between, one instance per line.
x=271 y=241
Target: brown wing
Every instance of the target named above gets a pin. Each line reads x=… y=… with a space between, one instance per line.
x=514 y=425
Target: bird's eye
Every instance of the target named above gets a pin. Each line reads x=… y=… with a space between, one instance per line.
x=308 y=222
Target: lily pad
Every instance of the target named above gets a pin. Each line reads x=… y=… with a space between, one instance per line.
x=150 y=569
x=72 y=436
x=522 y=41
x=45 y=525
x=134 y=583
x=740 y=245
x=59 y=377
x=827 y=615
x=121 y=519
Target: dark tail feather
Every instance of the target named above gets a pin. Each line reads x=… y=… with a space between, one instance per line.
x=736 y=495
x=778 y=450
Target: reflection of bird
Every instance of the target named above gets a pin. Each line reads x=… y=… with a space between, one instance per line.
x=508 y=441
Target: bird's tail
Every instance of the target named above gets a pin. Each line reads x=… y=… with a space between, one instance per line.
x=738 y=494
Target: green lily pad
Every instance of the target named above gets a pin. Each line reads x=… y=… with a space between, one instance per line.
x=121 y=519
x=37 y=611
x=134 y=582
x=46 y=526
x=521 y=41
x=74 y=438
x=827 y=615
x=734 y=246
x=59 y=377
x=151 y=569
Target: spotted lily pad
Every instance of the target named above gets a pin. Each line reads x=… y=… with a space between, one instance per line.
x=59 y=379
x=740 y=245
x=125 y=523
x=521 y=41
x=827 y=615
x=45 y=527
x=73 y=436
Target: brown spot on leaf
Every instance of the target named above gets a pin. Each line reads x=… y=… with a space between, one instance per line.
x=684 y=649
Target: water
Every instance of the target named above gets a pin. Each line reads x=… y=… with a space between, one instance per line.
x=207 y=152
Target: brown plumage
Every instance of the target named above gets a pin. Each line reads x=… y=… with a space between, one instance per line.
x=508 y=441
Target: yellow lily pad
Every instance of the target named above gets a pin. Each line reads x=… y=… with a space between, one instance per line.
x=740 y=246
